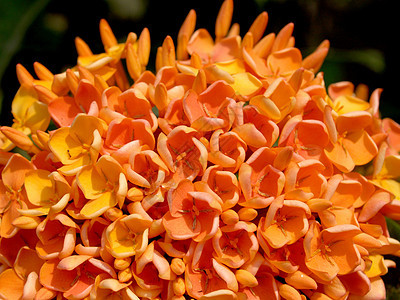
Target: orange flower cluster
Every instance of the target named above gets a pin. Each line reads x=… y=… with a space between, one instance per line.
x=231 y=172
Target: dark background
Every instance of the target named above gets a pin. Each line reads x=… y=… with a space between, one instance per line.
x=363 y=34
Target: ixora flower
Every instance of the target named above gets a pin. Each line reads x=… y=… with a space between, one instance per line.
x=232 y=171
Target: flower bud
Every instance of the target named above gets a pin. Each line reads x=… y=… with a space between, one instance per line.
x=288 y=292
x=178 y=286
x=135 y=194
x=245 y=278
x=122 y=263
x=177 y=266
x=247 y=214
x=125 y=275
x=113 y=213
x=230 y=217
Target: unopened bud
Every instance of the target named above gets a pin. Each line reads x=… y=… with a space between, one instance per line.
x=288 y=292
x=247 y=214
x=125 y=275
x=178 y=286
x=135 y=194
x=122 y=263
x=113 y=213
x=26 y=222
x=245 y=278
x=230 y=217
x=20 y=139
x=177 y=266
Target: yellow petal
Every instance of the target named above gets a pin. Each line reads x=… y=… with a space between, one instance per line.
x=91 y=182
x=245 y=84
x=234 y=66
x=378 y=267
x=39 y=187
x=97 y=207
x=345 y=104
x=266 y=107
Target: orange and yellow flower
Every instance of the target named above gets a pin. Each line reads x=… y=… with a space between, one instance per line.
x=103 y=184
x=230 y=171
x=76 y=148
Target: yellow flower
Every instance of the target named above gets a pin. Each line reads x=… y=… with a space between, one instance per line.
x=128 y=236
x=48 y=192
x=103 y=184
x=76 y=148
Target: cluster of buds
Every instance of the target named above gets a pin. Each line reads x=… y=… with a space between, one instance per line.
x=228 y=172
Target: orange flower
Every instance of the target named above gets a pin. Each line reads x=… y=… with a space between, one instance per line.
x=337 y=215
x=110 y=288
x=27 y=267
x=57 y=237
x=211 y=109
x=123 y=131
x=183 y=153
x=63 y=110
x=345 y=99
x=260 y=181
x=277 y=101
x=204 y=274
x=358 y=284
x=353 y=145
x=201 y=42
x=11 y=286
x=308 y=138
x=257 y=130
x=227 y=150
x=288 y=259
x=392 y=129
x=87 y=100
x=375 y=203
x=304 y=180
x=175 y=248
x=235 y=244
x=147 y=170
x=285 y=223
x=137 y=107
x=192 y=214
x=173 y=117
x=29 y=113
x=223 y=183
x=266 y=285
x=331 y=252
x=386 y=177
x=91 y=236
x=74 y=275
x=12 y=195
x=252 y=150
x=151 y=269
x=9 y=247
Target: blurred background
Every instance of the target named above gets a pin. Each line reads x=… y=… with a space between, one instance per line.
x=362 y=36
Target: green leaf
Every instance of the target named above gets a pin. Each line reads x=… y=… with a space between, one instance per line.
x=394 y=228
x=22 y=152
x=393 y=293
